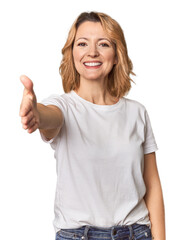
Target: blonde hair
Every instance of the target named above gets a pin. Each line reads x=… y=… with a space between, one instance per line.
x=119 y=81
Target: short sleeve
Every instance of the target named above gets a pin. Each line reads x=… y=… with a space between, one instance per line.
x=55 y=100
x=149 y=144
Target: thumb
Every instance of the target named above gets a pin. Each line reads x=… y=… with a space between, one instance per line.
x=28 y=84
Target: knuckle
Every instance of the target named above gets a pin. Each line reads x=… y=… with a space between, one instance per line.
x=21 y=112
x=31 y=115
x=23 y=120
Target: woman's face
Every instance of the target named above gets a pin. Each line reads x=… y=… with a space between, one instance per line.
x=93 y=52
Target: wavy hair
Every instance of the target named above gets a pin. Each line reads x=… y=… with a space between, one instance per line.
x=119 y=81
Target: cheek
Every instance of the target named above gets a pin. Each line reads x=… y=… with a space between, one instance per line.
x=110 y=57
x=77 y=55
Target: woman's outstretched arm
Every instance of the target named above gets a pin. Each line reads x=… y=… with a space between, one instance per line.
x=48 y=119
x=154 y=197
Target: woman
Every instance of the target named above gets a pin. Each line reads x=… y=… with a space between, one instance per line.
x=108 y=184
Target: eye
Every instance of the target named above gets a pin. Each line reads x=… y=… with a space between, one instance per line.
x=82 y=44
x=104 y=44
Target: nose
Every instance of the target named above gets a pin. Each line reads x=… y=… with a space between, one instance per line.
x=93 y=51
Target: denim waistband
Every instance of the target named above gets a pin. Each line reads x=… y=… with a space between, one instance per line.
x=87 y=230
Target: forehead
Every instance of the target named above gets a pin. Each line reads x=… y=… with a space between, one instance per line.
x=90 y=29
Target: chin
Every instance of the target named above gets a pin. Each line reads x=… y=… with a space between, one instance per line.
x=93 y=77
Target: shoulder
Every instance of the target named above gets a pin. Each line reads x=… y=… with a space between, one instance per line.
x=62 y=101
x=134 y=105
x=135 y=110
x=60 y=98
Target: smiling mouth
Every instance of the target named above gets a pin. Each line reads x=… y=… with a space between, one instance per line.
x=92 y=64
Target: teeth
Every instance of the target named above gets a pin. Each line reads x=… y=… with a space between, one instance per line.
x=92 y=64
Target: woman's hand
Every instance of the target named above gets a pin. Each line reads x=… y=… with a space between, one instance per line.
x=28 y=109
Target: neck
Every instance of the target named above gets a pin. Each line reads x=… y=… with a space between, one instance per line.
x=95 y=92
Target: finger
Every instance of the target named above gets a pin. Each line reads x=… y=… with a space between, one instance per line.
x=26 y=107
x=33 y=128
x=30 y=124
x=24 y=127
x=25 y=120
x=28 y=84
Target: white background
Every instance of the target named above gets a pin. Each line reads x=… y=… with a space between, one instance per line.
x=32 y=35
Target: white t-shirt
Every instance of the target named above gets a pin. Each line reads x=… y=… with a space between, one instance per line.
x=100 y=161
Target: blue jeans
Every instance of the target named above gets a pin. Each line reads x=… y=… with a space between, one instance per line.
x=128 y=232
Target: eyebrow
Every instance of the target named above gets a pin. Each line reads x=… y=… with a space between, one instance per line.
x=99 y=39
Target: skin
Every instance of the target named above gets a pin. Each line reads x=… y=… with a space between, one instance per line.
x=154 y=197
x=48 y=119
x=93 y=45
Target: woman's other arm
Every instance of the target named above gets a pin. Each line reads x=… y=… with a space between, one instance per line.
x=48 y=119
x=154 y=197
